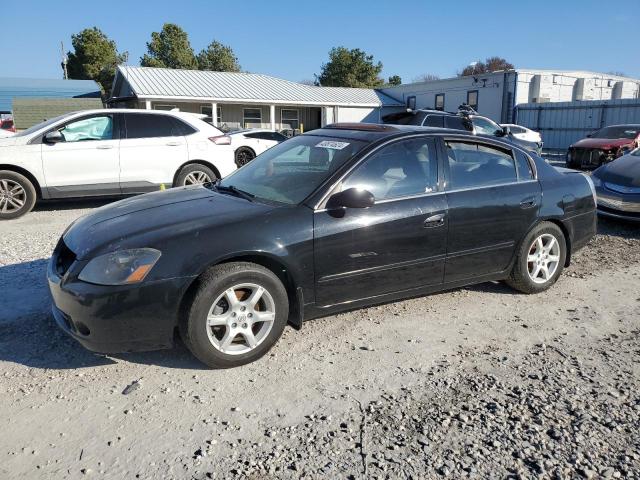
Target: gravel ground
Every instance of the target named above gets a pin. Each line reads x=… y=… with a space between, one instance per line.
x=477 y=382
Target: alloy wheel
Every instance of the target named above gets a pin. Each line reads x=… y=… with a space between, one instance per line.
x=196 y=178
x=13 y=196
x=241 y=318
x=543 y=258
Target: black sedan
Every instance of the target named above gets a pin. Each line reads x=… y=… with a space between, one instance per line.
x=618 y=187
x=338 y=218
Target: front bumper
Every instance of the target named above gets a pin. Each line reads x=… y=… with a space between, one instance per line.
x=117 y=319
x=617 y=205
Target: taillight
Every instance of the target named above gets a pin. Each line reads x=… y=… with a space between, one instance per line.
x=221 y=140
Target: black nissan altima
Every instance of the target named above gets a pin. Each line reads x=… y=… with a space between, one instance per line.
x=338 y=218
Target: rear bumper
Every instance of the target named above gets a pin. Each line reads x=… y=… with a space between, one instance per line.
x=117 y=319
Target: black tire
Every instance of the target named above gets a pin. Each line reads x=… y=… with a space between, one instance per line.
x=244 y=155
x=191 y=170
x=15 y=188
x=520 y=278
x=194 y=329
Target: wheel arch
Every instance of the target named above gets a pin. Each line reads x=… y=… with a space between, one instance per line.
x=196 y=162
x=277 y=267
x=26 y=173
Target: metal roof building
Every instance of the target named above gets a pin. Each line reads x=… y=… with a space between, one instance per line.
x=11 y=88
x=248 y=99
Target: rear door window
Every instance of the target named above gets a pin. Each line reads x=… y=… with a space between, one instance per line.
x=478 y=165
x=141 y=125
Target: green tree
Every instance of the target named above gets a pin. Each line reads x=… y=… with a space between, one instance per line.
x=350 y=68
x=394 y=80
x=491 y=64
x=218 y=57
x=169 y=48
x=94 y=57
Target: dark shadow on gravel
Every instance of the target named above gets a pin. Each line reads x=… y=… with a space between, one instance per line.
x=73 y=204
x=618 y=228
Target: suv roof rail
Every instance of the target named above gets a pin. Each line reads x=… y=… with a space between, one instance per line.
x=369 y=127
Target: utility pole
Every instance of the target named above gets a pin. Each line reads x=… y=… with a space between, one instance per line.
x=63 y=64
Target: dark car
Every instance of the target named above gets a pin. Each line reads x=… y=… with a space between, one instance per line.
x=618 y=187
x=602 y=146
x=465 y=119
x=338 y=218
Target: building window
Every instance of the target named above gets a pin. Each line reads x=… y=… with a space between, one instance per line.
x=206 y=110
x=164 y=107
x=472 y=99
x=289 y=119
x=439 y=101
x=411 y=102
x=252 y=118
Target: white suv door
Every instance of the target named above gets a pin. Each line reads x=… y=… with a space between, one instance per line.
x=85 y=161
x=152 y=149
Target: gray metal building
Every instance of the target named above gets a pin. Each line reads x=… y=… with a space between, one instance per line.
x=242 y=100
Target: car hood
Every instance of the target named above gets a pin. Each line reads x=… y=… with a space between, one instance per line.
x=147 y=220
x=602 y=143
x=9 y=141
x=624 y=171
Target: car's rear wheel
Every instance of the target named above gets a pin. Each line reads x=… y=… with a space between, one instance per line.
x=195 y=174
x=237 y=314
x=17 y=195
x=244 y=155
x=540 y=259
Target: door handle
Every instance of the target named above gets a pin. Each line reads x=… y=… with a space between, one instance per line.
x=104 y=147
x=174 y=144
x=434 y=221
x=528 y=203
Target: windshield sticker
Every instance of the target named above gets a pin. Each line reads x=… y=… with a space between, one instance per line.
x=332 y=144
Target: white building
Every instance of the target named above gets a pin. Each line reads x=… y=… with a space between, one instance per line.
x=243 y=100
x=496 y=94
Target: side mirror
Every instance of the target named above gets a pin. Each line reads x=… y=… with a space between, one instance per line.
x=589 y=135
x=351 y=198
x=506 y=131
x=53 y=137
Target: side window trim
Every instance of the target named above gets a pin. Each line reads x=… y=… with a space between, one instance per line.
x=335 y=184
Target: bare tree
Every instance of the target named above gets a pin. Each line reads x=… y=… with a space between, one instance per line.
x=426 y=77
x=491 y=64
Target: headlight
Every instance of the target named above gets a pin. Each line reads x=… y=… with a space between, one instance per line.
x=120 y=268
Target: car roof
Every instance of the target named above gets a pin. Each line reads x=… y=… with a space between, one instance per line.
x=375 y=131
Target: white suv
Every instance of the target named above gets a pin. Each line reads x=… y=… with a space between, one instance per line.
x=108 y=152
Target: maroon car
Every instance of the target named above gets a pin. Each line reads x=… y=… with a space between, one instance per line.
x=602 y=146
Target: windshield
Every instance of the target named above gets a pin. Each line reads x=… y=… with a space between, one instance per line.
x=617 y=132
x=41 y=125
x=290 y=171
x=485 y=126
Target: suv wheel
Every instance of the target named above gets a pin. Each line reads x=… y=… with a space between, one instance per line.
x=17 y=195
x=244 y=155
x=195 y=174
x=237 y=314
x=540 y=259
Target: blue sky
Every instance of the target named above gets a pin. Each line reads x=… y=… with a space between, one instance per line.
x=291 y=39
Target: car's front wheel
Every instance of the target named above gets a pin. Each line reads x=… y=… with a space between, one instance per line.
x=540 y=259
x=237 y=314
x=17 y=195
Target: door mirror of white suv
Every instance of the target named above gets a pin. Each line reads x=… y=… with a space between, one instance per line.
x=53 y=137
